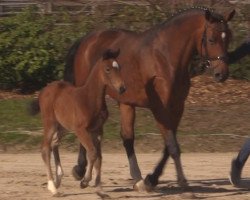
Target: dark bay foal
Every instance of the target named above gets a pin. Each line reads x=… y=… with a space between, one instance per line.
x=64 y=106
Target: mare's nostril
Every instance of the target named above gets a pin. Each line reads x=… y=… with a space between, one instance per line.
x=218 y=77
x=122 y=89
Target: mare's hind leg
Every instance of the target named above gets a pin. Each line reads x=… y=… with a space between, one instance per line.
x=46 y=155
x=55 y=148
x=86 y=140
x=127 y=134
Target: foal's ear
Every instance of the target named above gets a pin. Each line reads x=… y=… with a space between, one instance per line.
x=208 y=16
x=109 y=53
x=229 y=15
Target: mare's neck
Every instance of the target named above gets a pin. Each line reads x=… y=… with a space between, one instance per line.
x=179 y=38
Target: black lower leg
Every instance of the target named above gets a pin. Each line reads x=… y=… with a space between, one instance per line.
x=134 y=168
x=152 y=179
x=129 y=147
x=80 y=168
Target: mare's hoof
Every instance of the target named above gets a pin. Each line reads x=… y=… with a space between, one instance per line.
x=235 y=173
x=76 y=172
x=84 y=184
x=183 y=183
x=141 y=186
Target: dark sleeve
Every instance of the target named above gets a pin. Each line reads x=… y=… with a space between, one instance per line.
x=239 y=52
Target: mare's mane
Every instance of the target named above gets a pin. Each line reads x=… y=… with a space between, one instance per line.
x=189 y=11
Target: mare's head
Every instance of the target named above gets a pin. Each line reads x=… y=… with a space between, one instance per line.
x=111 y=69
x=215 y=37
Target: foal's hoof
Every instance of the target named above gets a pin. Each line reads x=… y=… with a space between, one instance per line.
x=141 y=186
x=103 y=195
x=77 y=174
x=84 y=184
x=58 y=194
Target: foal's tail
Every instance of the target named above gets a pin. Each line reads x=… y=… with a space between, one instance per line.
x=34 y=107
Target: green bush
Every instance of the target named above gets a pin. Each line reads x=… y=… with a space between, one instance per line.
x=33 y=48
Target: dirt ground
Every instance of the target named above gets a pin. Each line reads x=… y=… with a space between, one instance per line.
x=211 y=108
x=22 y=176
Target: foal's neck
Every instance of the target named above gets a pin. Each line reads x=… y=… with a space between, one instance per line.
x=93 y=91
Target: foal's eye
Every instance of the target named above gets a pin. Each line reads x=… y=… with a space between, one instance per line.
x=211 y=40
x=107 y=70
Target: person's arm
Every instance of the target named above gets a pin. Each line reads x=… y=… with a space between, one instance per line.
x=239 y=52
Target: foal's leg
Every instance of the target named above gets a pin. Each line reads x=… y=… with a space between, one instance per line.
x=127 y=134
x=79 y=170
x=86 y=140
x=46 y=155
x=97 y=167
x=55 y=144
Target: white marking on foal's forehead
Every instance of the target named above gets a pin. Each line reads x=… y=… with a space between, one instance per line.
x=115 y=64
x=223 y=35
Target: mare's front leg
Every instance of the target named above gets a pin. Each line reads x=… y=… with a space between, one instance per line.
x=161 y=103
x=127 y=134
x=86 y=140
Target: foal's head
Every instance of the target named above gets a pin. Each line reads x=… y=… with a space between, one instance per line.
x=214 y=43
x=111 y=69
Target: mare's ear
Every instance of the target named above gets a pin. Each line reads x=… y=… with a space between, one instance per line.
x=208 y=16
x=109 y=53
x=229 y=15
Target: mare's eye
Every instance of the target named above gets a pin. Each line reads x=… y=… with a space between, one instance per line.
x=211 y=40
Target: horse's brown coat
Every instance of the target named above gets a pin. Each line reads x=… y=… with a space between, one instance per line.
x=78 y=109
x=155 y=70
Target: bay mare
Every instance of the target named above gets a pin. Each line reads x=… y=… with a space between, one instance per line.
x=155 y=70
x=78 y=109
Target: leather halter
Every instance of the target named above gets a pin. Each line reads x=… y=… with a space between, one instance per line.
x=205 y=58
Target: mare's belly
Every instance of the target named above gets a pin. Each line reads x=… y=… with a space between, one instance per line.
x=134 y=97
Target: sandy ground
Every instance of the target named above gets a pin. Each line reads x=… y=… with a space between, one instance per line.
x=22 y=176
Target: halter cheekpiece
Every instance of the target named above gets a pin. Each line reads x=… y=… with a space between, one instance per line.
x=205 y=58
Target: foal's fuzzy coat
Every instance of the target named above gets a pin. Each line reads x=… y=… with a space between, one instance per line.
x=78 y=109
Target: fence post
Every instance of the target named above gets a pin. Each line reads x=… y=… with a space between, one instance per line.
x=45 y=7
x=1 y=10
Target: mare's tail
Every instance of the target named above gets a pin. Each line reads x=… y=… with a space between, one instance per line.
x=34 y=107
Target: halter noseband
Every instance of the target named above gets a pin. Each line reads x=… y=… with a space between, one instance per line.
x=206 y=59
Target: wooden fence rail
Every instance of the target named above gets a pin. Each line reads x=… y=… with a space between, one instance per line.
x=10 y=7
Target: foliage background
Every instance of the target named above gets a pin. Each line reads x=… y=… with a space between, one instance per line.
x=33 y=46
